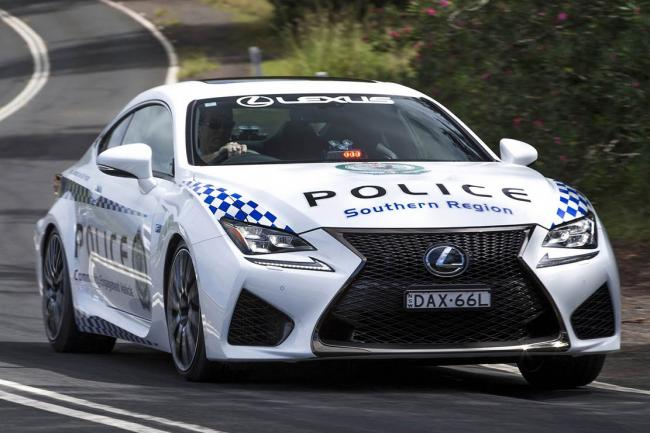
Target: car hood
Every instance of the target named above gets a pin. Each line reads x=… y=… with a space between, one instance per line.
x=302 y=197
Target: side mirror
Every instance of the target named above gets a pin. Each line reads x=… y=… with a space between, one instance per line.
x=517 y=152
x=129 y=160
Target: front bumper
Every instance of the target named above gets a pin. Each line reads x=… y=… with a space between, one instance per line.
x=304 y=296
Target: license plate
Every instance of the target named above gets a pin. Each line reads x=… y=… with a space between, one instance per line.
x=447 y=299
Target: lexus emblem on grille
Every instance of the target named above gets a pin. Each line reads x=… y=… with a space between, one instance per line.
x=445 y=260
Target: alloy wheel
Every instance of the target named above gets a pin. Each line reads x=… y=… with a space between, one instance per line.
x=182 y=310
x=54 y=290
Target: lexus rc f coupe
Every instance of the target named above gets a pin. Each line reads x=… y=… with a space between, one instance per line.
x=288 y=219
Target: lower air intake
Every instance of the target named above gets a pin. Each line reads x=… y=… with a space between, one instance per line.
x=594 y=318
x=257 y=323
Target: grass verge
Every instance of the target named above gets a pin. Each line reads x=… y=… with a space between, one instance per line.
x=194 y=64
x=244 y=11
x=337 y=44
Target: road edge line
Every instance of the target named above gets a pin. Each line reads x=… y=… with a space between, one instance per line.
x=172 y=57
x=38 y=50
x=600 y=385
x=74 y=413
x=106 y=408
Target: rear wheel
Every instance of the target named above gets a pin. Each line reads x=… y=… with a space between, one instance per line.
x=558 y=372
x=58 y=310
x=184 y=324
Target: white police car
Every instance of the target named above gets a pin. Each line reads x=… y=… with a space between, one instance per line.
x=291 y=219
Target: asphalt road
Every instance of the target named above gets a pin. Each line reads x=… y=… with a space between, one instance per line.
x=100 y=58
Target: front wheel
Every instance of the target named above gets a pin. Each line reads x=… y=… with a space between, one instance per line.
x=562 y=371
x=184 y=323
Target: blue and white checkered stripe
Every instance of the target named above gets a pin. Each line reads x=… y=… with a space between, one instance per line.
x=105 y=203
x=220 y=202
x=74 y=191
x=95 y=325
x=572 y=204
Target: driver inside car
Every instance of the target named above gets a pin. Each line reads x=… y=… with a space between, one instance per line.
x=215 y=133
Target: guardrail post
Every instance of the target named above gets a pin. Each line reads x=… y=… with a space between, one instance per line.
x=255 y=55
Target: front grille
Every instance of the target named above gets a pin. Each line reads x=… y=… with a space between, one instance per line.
x=594 y=318
x=370 y=311
x=257 y=323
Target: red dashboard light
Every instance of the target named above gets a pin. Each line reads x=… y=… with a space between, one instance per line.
x=352 y=154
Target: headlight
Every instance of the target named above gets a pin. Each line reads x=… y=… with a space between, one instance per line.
x=580 y=233
x=253 y=239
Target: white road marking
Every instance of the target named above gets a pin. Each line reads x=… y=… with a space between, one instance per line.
x=172 y=58
x=600 y=385
x=86 y=416
x=502 y=367
x=612 y=387
x=110 y=409
x=38 y=51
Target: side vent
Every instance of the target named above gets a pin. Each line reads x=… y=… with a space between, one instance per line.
x=594 y=318
x=257 y=323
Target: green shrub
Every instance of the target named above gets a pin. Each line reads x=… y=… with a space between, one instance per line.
x=571 y=78
x=292 y=12
x=337 y=45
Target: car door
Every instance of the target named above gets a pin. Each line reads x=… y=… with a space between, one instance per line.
x=125 y=216
x=83 y=185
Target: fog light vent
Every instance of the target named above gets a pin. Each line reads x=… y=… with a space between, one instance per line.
x=594 y=318
x=257 y=323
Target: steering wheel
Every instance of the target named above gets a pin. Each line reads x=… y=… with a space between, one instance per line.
x=224 y=157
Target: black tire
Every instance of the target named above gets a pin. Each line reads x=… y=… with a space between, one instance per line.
x=184 y=323
x=58 y=311
x=561 y=372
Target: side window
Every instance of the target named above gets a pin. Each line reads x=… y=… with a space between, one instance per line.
x=152 y=125
x=114 y=136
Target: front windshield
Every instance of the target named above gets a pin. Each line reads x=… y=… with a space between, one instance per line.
x=320 y=128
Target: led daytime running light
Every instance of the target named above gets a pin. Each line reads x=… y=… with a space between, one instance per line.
x=314 y=265
x=546 y=262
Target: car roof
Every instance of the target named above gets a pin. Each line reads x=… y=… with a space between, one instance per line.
x=283 y=78
x=185 y=92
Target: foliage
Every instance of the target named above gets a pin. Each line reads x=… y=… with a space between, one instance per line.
x=571 y=78
x=336 y=43
x=291 y=12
